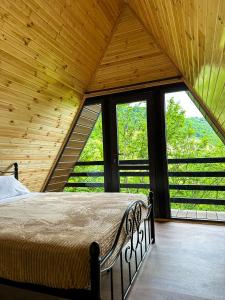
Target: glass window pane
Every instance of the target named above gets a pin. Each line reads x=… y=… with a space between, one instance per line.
x=189 y=135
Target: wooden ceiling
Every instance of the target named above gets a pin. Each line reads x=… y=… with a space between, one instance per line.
x=132 y=56
x=53 y=51
x=48 y=53
x=192 y=33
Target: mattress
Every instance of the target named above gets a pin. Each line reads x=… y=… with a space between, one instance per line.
x=45 y=238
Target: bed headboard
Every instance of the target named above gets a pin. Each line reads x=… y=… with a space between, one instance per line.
x=12 y=169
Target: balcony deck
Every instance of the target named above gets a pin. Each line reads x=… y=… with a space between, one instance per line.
x=198 y=215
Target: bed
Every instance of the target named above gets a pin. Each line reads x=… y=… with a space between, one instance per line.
x=63 y=243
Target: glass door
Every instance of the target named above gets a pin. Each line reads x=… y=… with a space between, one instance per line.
x=133 y=147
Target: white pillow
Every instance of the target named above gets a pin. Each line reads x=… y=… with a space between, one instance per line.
x=11 y=187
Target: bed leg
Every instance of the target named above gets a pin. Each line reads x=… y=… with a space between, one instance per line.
x=95 y=271
x=151 y=200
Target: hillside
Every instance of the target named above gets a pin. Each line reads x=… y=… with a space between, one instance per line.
x=202 y=129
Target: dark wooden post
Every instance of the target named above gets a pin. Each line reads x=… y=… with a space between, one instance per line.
x=110 y=146
x=158 y=154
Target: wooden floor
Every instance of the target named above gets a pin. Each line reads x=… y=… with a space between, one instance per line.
x=198 y=214
x=187 y=263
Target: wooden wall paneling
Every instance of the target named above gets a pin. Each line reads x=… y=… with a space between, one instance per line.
x=48 y=53
x=36 y=105
x=218 y=94
x=131 y=57
x=35 y=57
x=192 y=34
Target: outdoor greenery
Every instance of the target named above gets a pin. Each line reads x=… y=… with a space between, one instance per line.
x=186 y=138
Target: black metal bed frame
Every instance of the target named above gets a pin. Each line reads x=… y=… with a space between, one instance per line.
x=14 y=172
x=134 y=237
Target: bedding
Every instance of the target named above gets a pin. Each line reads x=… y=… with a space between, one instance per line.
x=16 y=198
x=45 y=238
x=11 y=187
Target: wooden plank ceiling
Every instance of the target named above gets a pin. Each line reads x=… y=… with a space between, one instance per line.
x=49 y=50
x=53 y=51
x=192 y=33
x=131 y=57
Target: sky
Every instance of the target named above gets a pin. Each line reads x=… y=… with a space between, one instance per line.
x=185 y=102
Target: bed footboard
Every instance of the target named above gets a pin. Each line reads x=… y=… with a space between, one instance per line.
x=133 y=240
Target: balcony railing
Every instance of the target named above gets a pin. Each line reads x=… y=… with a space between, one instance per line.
x=139 y=168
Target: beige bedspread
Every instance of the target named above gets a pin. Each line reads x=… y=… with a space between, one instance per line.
x=45 y=239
